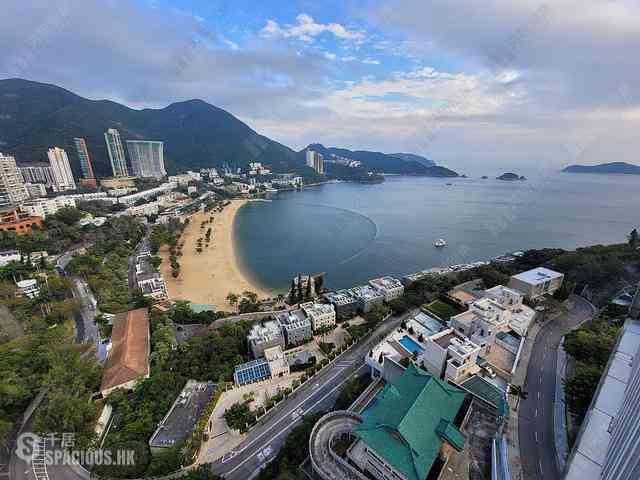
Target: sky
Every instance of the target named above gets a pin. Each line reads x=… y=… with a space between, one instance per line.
x=481 y=87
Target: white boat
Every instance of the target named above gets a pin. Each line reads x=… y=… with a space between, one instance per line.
x=440 y=243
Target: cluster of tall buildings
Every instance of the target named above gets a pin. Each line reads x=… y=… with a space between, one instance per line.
x=20 y=183
x=146 y=157
x=315 y=160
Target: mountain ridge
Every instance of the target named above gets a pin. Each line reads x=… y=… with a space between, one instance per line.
x=35 y=116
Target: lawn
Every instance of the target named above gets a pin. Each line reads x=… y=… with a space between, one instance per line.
x=442 y=310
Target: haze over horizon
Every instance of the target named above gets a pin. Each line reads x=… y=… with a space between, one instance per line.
x=529 y=88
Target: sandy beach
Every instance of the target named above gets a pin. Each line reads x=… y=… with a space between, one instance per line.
x=208 y=277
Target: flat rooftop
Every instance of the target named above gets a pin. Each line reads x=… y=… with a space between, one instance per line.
x=264 y=331
x=185 y=412
x=292 y=318
x=537 y=276
x=445 y=340
x=341 y=297
x=365 y=293
x=386 y=282
x=432 y=325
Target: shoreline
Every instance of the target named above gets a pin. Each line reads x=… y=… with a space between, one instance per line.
x=208 y=277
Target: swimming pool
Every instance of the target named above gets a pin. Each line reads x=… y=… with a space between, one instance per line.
x=411 y=345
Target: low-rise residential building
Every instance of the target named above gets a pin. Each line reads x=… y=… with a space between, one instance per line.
x=128 y=358
x=91 y=220
x=19 y=222
x=9 y=256
x=286 y=180
x=36 y=190
x=537 y=282
x=182 y=179
x=450 y=356
x=152 y=285
x=170 y=198
x=148 y=279
x=42 y=207
x=265 y=335
x=278 y=364
x=118 y=182
x=147 y=194
x=367 y=297
x=522 y=316
x=143 y=210
x=411 y=429
x=28 y=288
x=120 y=192
x=390 y=288
x=484 y=319
x=322 y=315
x=87 y=197
x=345 y=305
x=296 y=327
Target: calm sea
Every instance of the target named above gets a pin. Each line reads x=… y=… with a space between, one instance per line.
x=355 y=232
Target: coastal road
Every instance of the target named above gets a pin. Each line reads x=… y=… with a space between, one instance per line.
x=265 y=440
x=535 y=425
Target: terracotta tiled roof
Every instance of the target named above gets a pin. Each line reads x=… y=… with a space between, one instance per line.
x=129 y=355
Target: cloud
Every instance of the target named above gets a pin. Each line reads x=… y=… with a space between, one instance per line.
x=570 y=54
x=329 y=56
x=307 y=29
x=371 y=61
x=232 y=45
x=149 y=57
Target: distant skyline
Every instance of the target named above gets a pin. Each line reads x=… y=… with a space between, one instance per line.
x=526 y=87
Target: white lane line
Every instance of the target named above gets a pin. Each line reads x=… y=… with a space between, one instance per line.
x=536 y=433
x=538 y=394
x=536 y=414
x=540 y=379
x=285 y=429
x=540 y=468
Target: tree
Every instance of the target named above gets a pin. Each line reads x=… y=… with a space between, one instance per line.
x=579 y=389
x=300 y=296
x=307 y=294
x=293 y=297
x=633 y=239
x=232 y=298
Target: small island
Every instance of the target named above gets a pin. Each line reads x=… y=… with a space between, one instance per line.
x=605 y=168
x=511 y=177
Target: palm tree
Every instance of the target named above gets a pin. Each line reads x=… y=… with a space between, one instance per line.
x=518 y=392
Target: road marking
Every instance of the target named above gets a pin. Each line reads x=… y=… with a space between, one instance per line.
x=540 y=379
x=536 y=414
x=536 y=433
x=271 y=440
x=538 y=394
x=540 y=467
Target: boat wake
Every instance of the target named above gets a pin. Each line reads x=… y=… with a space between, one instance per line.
x=376 y=234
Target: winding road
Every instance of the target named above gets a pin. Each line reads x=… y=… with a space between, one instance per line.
x=535 y=425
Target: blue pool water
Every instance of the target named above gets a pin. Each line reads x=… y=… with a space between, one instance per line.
x=408 y=343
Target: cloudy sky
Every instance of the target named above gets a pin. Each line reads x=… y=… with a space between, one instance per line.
x=477 y=86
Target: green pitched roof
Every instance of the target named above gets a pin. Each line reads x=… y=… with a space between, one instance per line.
x=405 y=426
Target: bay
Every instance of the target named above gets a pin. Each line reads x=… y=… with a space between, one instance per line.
x=354 y=232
